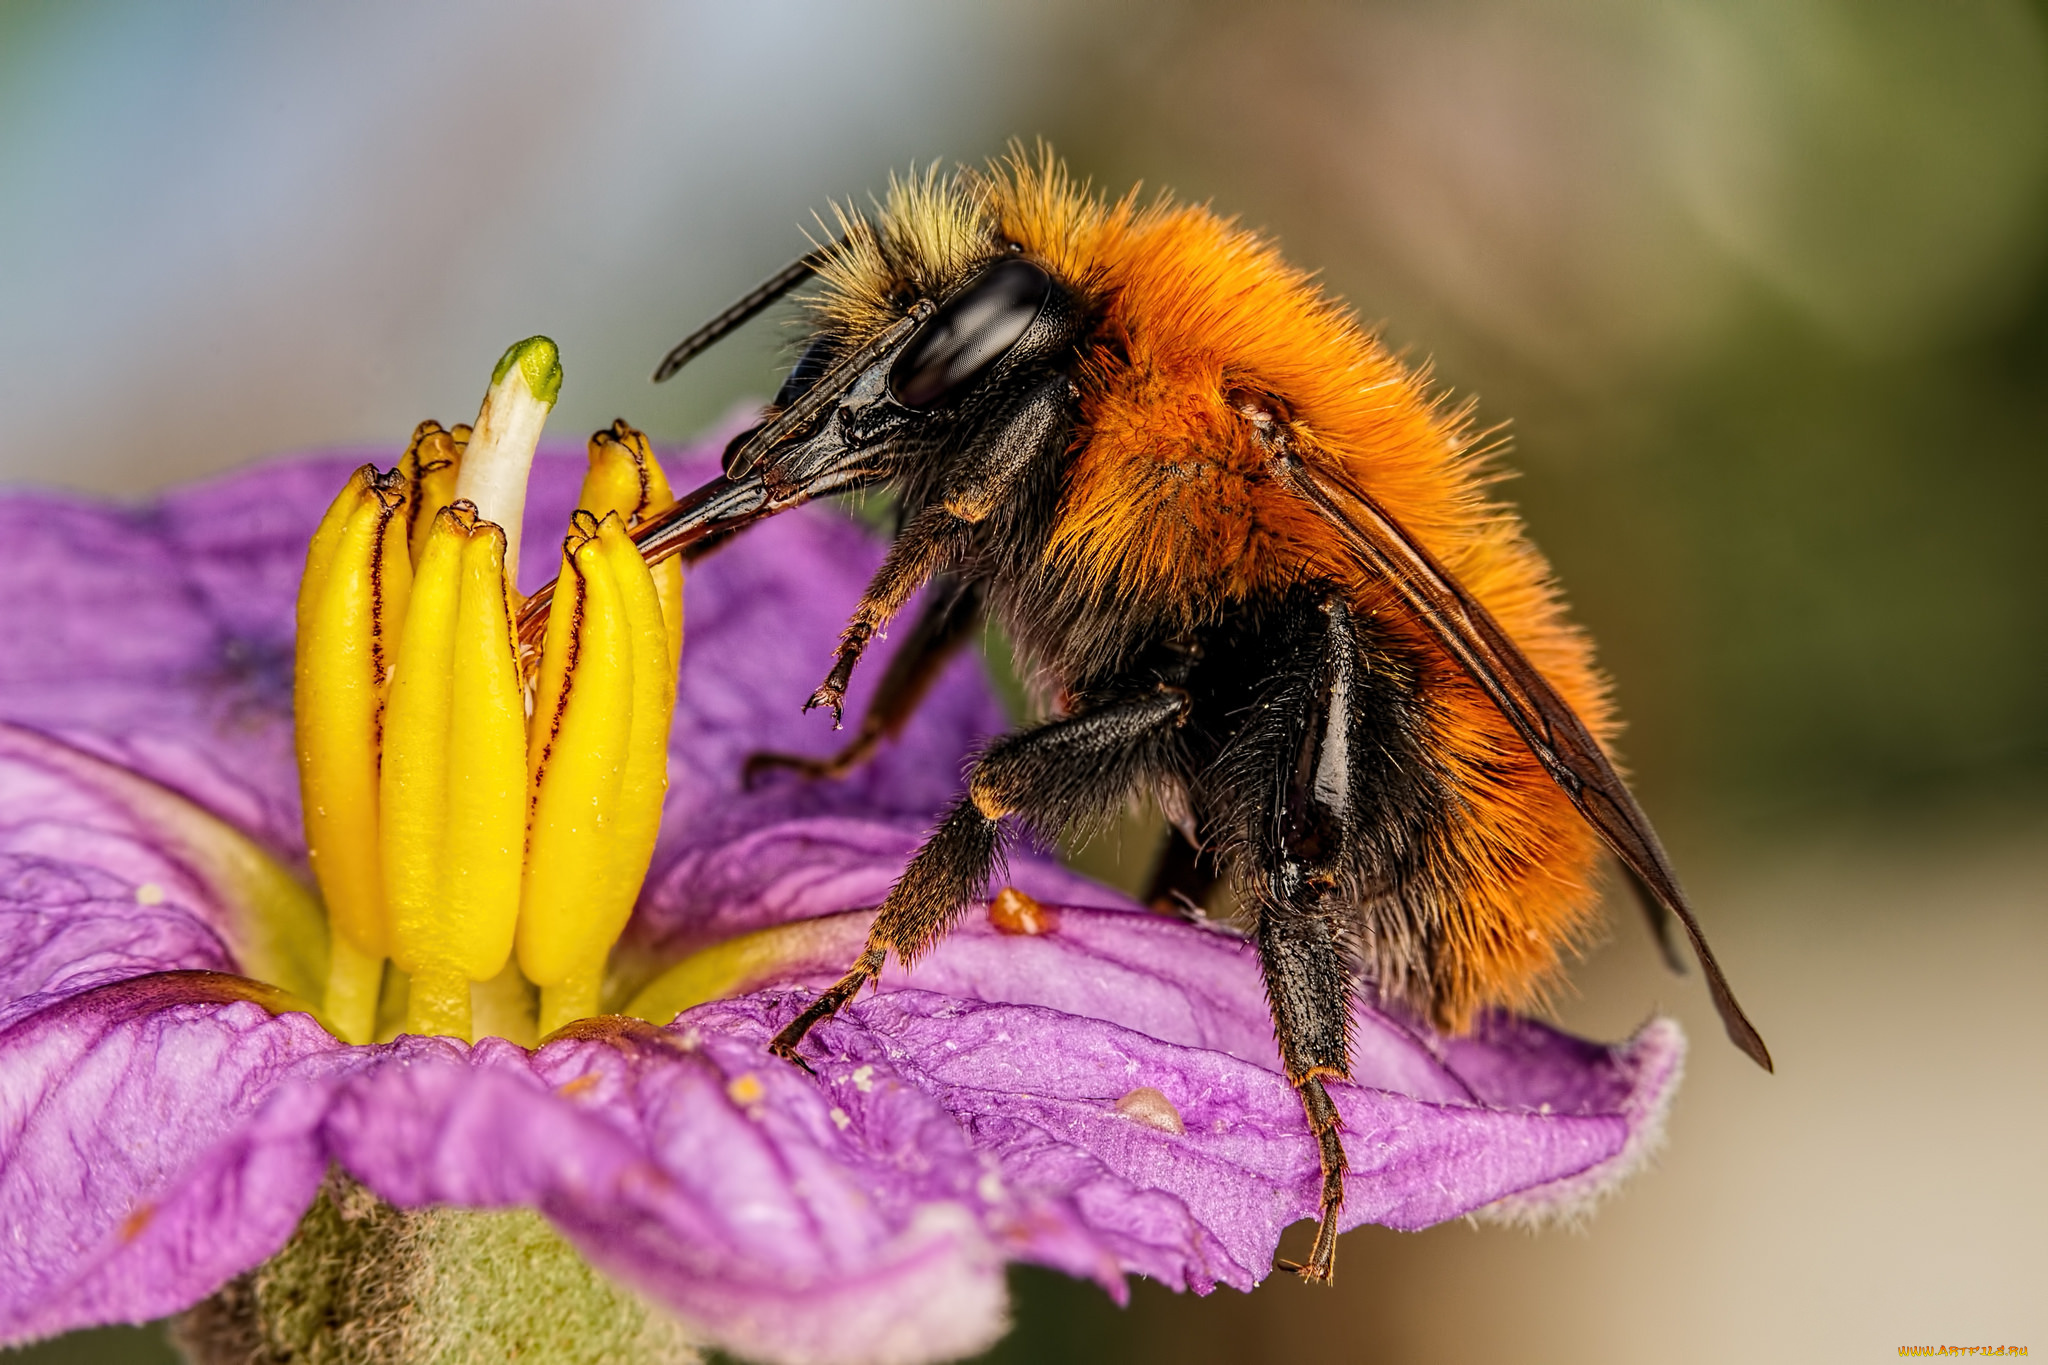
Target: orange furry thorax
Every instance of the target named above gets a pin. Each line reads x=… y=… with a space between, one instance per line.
x=1166 y=496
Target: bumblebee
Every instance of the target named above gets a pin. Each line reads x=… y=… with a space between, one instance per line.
x=1249 y=555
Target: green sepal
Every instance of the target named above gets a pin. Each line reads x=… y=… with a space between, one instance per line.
x=364 y=1283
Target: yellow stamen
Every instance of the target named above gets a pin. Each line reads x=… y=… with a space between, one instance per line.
x=484 y=846
x=454 y=782
x=645 y=780
x=358 y=579
x=598 y=760
x=580 y=725
x=504 y=1007
x=625 y=478
x=355 y=983
x=431 y=466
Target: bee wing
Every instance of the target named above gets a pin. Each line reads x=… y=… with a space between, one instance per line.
x=1545 y=721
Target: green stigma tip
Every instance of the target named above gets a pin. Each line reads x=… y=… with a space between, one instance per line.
x=538 y=360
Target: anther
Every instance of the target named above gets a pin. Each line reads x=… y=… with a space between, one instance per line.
x=454 y=775
x=351 y=603
x=451 y=828
x=597 y=764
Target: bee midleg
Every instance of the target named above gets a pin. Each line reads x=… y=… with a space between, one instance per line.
x=947 y=622
x=1052 y=774
x=1184 y=877
x=1296 y=767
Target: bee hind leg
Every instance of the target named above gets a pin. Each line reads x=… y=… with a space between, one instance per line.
x=1308 y=982
x=1182 y=879
x=1290 y=793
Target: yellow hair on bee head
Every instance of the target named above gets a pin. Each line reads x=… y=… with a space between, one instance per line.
x=927 y=229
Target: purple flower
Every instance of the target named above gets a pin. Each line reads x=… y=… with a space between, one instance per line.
x=1102 y=1097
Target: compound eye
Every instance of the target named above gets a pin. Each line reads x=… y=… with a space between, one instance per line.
x=974 y=329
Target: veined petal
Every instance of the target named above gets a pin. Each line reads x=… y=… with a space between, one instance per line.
x=164 y=634
x=1203 y=1201
x=62 y=804
x=152 y=1144
x=784 y=1224
x=1518 y=1121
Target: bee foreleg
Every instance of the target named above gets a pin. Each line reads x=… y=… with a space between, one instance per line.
x=947 y=622
x=1051 y=775
x=925 y=546
x=1032 y=430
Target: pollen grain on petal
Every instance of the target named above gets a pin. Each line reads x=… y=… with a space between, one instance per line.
x=1150 y=1107
x=1013 y=912
x=579 y=1085
x=137 y=1221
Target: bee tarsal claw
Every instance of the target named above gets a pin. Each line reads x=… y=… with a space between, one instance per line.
x=835 y=698
x=789 y=1054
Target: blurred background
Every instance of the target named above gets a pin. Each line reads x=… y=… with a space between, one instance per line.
x=1759 y=285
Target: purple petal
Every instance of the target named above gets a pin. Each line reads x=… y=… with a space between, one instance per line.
x=158 y=1137
x=152 y=1145
x=737 y=872
x=710 y=1178
x=160 y=637
x=1646 y=1071
x=1032 y=1041
x=862 y=1215
x=114 y=875
x=129 y=643
x=67 y=927
x=1040 y=1089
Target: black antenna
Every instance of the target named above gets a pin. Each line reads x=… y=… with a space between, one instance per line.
x=737 y=316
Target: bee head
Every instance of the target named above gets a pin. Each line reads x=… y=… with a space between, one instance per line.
x=925 y=374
